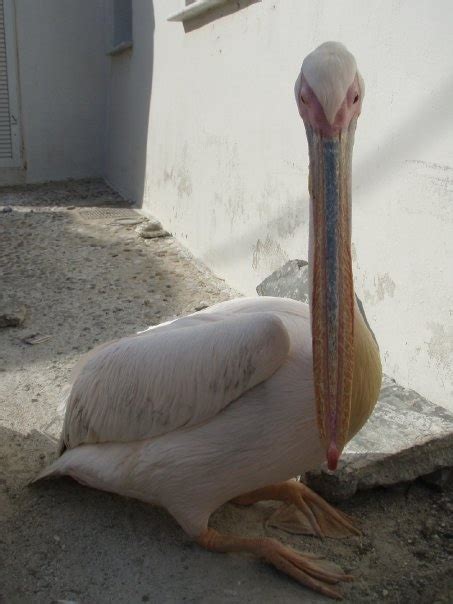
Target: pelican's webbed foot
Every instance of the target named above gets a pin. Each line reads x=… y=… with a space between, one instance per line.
x=305 y=512
x=312 y=571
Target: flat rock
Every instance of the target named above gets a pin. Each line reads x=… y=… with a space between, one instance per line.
x=151 y=229
x=440 y=478
x=289 y=281
x=129 y=221
x=201 y=306
x=12 y=313
x=405 y=438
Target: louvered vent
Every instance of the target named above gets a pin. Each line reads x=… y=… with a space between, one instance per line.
x=6 y=147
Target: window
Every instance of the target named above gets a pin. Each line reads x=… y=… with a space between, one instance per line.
x=121 y=26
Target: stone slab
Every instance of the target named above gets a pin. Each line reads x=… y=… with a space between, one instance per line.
x=289 y=281
x=12 y=312
x=405 y=438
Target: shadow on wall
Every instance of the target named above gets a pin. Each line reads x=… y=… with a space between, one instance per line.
x=407 y=139
x=291 y=214
x=128 y=111
x=369 y=170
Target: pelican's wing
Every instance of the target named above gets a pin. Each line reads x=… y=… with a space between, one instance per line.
x=165 y=379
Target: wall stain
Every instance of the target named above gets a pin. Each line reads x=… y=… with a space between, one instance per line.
x=384 y=286
x=291 y=215
x=268 y=255
x=180 y=179
x=184 y=183
x=436 y=182
x=295 y=214
x=427 y=164
x=234 y=207
x=440 y=346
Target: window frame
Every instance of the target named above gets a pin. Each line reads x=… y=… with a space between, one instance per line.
x=118 y=45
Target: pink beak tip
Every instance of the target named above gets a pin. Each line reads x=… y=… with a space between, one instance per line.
x=332 y=456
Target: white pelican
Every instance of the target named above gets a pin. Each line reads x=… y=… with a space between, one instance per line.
x=232 y=402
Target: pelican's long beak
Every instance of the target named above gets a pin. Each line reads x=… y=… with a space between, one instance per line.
x=332 y=290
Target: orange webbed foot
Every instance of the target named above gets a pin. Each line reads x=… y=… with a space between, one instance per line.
x=309 y=570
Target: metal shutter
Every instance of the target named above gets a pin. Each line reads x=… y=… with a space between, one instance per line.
x=10 y=147
x=6 y=147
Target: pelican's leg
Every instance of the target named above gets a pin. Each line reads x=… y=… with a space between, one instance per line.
x=305 y=513
x=310 y=570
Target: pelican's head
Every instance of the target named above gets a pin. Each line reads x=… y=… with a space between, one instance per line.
x=329 y=92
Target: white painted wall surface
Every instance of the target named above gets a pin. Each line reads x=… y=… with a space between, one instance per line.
x=62 y=71
x=226 y=164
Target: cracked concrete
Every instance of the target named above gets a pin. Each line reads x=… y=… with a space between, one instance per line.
x=71 y=254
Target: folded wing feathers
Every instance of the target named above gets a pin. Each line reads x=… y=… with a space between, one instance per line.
x=144 y=386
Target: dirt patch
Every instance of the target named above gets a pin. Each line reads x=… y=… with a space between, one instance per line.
x=86 y=277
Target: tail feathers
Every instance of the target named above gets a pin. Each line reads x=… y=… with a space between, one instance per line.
x=62 y=412
x=61 y=444
x=52 y=471
x=61 y=409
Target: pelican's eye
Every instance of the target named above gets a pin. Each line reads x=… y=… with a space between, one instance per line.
x=304 y=100
x=356 y=98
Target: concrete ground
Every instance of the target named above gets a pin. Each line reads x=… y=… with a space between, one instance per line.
x=70 y=254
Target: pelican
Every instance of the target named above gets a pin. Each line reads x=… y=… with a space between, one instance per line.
x=229 y=404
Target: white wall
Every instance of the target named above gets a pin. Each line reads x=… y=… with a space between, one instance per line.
x=62 y=71
x=201 y=127
x=226 y=165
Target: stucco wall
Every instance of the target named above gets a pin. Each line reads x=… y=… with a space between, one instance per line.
x=62 y=75
x=226 y=163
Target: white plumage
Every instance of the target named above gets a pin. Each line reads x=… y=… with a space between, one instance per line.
x=195 y=412
x=221 y=405
x=329 y=77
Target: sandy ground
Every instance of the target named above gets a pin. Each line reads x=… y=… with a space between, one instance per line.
x=85 y=276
